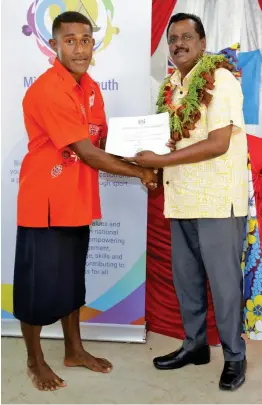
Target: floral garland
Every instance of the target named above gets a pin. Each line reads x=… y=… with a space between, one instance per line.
x=184 y=118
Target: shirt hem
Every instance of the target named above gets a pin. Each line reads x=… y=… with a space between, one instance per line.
x=55 y=223
x=199 y=216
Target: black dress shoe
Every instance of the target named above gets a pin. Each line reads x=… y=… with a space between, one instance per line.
x=233 y=375
x=182 y=357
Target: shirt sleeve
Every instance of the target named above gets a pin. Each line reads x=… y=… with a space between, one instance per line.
x=104 y=130
x=226 y=106
x=102 y=109
x=61 y=119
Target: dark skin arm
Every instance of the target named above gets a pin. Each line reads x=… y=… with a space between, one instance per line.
x=100 y=160
x=103 y=143
x=216 y=145
x=151 y=186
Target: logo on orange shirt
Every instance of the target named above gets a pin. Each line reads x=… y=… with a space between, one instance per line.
x=56 y=171
x=94 y=130
x=68 y=158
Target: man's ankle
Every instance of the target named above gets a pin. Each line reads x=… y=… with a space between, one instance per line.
x=35 y=359
x=73 y=349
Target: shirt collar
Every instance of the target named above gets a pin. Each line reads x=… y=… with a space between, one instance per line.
x=69 y=80
x=176 y=78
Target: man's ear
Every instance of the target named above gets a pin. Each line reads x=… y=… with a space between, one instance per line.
x=52 y=43
x=204 y=44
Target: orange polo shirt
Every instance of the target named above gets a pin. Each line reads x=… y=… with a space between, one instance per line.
x=55 y=187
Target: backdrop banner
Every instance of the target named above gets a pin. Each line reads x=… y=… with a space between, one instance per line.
x=116 y=263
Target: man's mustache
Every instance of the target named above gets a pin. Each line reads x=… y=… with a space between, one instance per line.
x=180 y=49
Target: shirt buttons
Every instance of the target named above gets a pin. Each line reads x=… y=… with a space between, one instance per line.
x=167 y=182
x=181 y=92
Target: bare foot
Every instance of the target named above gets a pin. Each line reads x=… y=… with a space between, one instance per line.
x=43 y=378
x=85 y=359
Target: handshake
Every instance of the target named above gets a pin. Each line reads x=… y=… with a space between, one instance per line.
x=149 y=136
x=151 y=166
x=149 y=178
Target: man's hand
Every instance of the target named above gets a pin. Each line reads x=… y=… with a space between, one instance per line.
x=147 y=159
x=215 y=145
x=100 y=160
x=149 y=178
x=171 y=144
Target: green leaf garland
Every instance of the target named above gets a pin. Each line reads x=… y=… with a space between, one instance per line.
x=190 y=104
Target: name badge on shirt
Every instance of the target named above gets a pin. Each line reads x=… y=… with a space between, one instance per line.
x=92 y=100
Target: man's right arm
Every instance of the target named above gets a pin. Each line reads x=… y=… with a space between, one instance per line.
x=100 y=160
x=57 y=114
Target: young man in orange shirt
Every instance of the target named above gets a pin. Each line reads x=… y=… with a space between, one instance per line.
x=58 y=197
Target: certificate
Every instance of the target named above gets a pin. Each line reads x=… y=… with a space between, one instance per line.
x=129 y=135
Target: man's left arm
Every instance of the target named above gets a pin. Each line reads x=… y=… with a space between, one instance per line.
x=224 y=112
x=216 y=145
x=103 y=143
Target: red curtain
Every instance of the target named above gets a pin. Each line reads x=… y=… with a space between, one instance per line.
x=161 y=12
x=255 y=151
x=162 y=307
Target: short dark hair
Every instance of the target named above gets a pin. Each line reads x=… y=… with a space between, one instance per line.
x=69 y=17
x=185 y=16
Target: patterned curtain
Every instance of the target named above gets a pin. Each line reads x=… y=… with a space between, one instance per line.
x=252 y=263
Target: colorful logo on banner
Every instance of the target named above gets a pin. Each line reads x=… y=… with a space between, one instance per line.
x=42 y=13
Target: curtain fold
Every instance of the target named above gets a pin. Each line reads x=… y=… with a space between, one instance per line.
x=255 y=151
x=161 y=12
x=162 y=306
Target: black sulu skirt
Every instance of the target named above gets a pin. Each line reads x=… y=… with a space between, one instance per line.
x=49 y=274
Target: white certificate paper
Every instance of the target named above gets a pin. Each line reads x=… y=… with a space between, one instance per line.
x=129 y=135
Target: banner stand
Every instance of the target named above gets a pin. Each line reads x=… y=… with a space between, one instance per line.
x=98 y=331
x=116 y=261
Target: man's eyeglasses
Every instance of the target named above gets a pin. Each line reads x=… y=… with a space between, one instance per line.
x=185 y=38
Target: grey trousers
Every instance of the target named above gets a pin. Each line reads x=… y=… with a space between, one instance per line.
x=210 y=248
